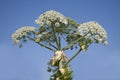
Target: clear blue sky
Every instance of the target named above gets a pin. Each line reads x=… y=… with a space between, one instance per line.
x=30 y=62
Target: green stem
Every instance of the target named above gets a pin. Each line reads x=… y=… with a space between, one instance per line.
x=73 y=57
x=71 y=44
x=40 y=43
x=46 y=46
x=59 y=42
x=53 y=46
x=55 y=37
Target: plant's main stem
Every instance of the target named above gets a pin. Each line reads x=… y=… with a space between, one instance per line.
x=59 y=71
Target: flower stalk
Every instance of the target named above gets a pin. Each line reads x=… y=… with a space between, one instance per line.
x=72 y=57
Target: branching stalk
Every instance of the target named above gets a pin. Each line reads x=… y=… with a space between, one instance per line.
x=59 y=42
x=71 y=44
x=73 y=57
x=40 y=43
x=53 y=46
x=46 y=46
x=55 y=37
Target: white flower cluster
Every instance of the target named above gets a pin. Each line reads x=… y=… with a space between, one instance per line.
x=50 y=17
x=92 y=30
x=22 y=32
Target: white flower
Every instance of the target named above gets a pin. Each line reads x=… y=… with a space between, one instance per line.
x=41 y=23
x=97 y=37
x=65 y=21
x=93 y=30
x=48 y=23
x=105 y=43
x=100 y=40
x=57 y=24
x=51 y=16
x=22 y=32
x=88 y=35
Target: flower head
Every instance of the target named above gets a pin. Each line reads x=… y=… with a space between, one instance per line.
x=92 y=30
x=51 y=17
x=22 y=32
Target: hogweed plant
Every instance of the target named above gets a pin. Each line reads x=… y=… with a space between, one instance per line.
x=55 y=29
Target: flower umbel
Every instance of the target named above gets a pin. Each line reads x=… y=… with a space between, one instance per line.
x=92 y=30
x=22 y=32
x=51 y=17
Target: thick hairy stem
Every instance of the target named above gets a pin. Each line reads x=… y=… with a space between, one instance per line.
x=73 y=57
x=60 y=72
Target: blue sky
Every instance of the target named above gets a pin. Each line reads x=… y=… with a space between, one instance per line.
x=30 y=62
